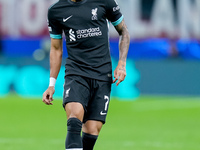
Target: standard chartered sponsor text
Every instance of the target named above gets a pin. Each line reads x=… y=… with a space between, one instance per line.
x=91 y=32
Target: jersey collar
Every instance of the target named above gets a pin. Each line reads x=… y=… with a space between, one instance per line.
x=77 y=3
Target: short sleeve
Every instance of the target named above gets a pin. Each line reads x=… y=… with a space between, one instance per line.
x=113 y=12
x=54 y=27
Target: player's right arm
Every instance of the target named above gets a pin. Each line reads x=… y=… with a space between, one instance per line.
x=56 y=51
x=55 y=64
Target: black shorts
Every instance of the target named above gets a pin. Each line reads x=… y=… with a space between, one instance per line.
x=93 y=94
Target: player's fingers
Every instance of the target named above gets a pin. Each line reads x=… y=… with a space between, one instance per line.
x=50 y=104
x=116 y=76
x=115 y=80
x=44 y=95
x=119 y=81
x=115 y=72
x=51 y=96
x=46 y=99
x=121 y=78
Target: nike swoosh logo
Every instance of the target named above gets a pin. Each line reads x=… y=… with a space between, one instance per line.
x=101 y=113
x=64 y=20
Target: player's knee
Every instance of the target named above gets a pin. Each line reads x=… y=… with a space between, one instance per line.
x=76 y=114
x=92 y=128
x=74 y=110
x=74 y=125
x=94 y=131
x=73 y=139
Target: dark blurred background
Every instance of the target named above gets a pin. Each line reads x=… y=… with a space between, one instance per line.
x=164 y=56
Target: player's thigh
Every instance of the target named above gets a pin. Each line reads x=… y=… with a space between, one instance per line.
x=75 y=97
x=99 y=103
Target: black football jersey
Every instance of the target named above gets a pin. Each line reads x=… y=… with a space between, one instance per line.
x=85 y=25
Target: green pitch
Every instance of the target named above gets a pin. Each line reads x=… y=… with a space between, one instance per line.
x=149 y=123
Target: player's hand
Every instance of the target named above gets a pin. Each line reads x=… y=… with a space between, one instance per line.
x=48 y=95
x=120 y=72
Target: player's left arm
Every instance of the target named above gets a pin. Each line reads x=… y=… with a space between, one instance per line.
x=124 y=42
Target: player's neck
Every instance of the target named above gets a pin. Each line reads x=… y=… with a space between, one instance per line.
x=76 y=0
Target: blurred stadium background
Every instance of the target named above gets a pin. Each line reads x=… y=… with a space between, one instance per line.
x=158 y=103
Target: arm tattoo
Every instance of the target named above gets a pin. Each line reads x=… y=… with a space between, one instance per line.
x=124 y=41
x=123 y=68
